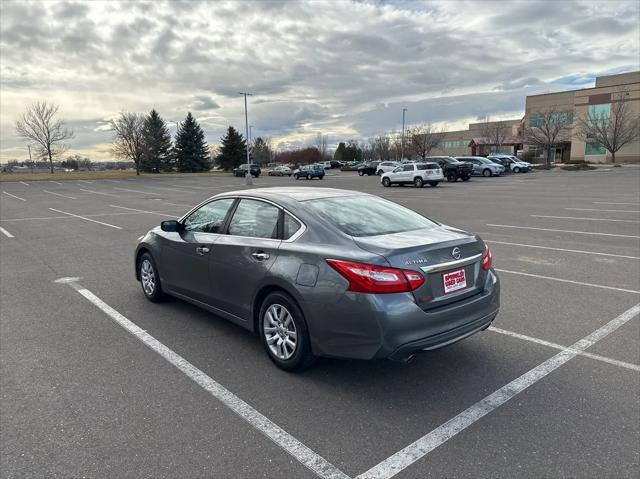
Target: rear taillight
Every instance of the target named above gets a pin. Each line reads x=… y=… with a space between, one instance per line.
x=369 y=278
x=487 y=259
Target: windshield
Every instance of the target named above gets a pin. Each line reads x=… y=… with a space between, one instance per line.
x=368 y=215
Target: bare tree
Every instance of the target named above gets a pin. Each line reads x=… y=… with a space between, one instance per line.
x=128 y=138
x=39 y=127
x=424 y=138
x=548 y=128
x=613 y=129
x=321 y=144
x=494 y=133
x=382 y=147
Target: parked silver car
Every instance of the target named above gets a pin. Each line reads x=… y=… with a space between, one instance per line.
x=324 y=272
x=482 y=166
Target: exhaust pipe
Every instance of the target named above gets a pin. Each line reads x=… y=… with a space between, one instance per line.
x=407 y=359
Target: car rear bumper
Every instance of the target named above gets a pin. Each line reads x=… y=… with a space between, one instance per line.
x=393 y=326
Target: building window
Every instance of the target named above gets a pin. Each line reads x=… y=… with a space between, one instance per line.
x=536 y=151
x=597 y=112
x=535 y=121
x=594 y=148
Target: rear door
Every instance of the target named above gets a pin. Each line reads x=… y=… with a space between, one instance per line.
x=244 y=255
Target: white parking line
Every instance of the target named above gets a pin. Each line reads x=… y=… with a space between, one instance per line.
x=163 y=188
x=286 y=441
x=56 y=182
x=615 y=362
x=607 y=211
x=98 y=193
x=5 y=232
x=140 y=211
x=609 y=203
x=136 y=191
x=423 y=446
x=25 y=184
x=58 y=194
x=584 y=219
x=14 y=196
x=85 y=218
x=85 y=181
x=562 y=231
x=562 y=280
x=563 y=249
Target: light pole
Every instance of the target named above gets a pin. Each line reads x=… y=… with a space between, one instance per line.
x=246 y=125
x=402 y=138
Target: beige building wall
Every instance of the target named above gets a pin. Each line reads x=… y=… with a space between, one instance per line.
x=454 y=143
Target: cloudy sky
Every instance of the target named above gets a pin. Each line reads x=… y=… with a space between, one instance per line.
x=344 y=68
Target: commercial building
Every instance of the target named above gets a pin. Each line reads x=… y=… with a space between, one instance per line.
x=572 y=105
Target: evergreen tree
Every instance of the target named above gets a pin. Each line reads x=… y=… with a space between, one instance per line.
x=157 y=155
x=339 y=154
x=233 y=149
x=191 y=150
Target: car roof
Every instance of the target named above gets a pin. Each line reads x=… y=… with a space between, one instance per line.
x=292 y=193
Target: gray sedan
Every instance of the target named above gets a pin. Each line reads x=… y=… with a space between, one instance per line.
x=324 y=272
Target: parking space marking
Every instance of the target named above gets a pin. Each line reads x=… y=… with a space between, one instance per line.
x=56 y=182
x=162 y=188
x=609 y=203
x=313 y=461
x=99 y=193
x=605 y=359
x=140 y=211
x=562 y=280
x=14 y=196
x=584 y=219
x=6 y=233
x=607 y=211
x=85 y=181
x=563 y=231
x=58 y=194
x=136 y=191
x=563 y=249
x=86 y=219
x=25 y=184
x=423 y=446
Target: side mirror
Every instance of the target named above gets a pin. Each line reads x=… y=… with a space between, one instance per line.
x=171 y=226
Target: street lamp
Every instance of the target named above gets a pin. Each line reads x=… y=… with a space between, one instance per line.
x=246 y=125
x=402 y=139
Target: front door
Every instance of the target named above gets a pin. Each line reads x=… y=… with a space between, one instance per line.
x=185 y=255
x=244 y=255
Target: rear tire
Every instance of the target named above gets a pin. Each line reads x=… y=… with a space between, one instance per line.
x=378 y=173
x=487 y=173
x=417 y=182
x=516 y=169
x=150 y=278
x=284 y=333
x=297 y=177
x=452 y=176
x=309 y=177
x=386 y=182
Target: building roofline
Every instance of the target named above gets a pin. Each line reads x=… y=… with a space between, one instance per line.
x=582 y=89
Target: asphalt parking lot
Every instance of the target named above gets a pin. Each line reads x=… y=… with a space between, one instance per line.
x=552 y=390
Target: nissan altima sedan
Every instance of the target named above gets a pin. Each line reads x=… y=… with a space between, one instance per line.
x=324 y=272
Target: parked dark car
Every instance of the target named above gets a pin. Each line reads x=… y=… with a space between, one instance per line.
x=335 y=164
x=351 y=166
x=309 y=172
x=368 y=168
x=453 y=169
x=242 y=170
x=324 y=272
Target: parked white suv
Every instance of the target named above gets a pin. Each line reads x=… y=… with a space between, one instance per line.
x=416 y=173
x=385 y=167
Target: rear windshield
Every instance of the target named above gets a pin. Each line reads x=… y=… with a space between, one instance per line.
x=368 y=215
x=428 y=166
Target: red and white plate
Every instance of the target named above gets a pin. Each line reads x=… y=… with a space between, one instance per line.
x=454 y=281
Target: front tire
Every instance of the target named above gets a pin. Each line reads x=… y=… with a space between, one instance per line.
x=466 y=178
x=150 y=278
x=284 y=333
x=516 y=169
x=386 y=182
x=487 y=173
x=361 y=173
x=417 y=182
x=309 y=177
x=378 y=173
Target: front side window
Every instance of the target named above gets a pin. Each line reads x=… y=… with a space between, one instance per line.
x=209 y=218
x=255 y=219
x=368 y=215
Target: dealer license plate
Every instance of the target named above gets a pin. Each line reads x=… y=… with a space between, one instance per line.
x=454 y=281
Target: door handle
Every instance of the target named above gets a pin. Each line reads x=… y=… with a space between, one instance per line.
x=260 y=255
x=202 y=250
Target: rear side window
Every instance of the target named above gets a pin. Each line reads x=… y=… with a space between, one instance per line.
x=428 y=166
x=368 y=215
x=255 y=219
x=407 y=168
x=290 y=226
x=208 y=218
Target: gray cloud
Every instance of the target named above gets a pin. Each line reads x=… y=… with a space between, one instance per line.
x=345 y=68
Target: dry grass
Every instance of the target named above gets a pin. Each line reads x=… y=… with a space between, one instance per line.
x=95 y=175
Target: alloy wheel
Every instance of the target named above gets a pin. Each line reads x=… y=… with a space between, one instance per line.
x=280 y=331
x=147 y=277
